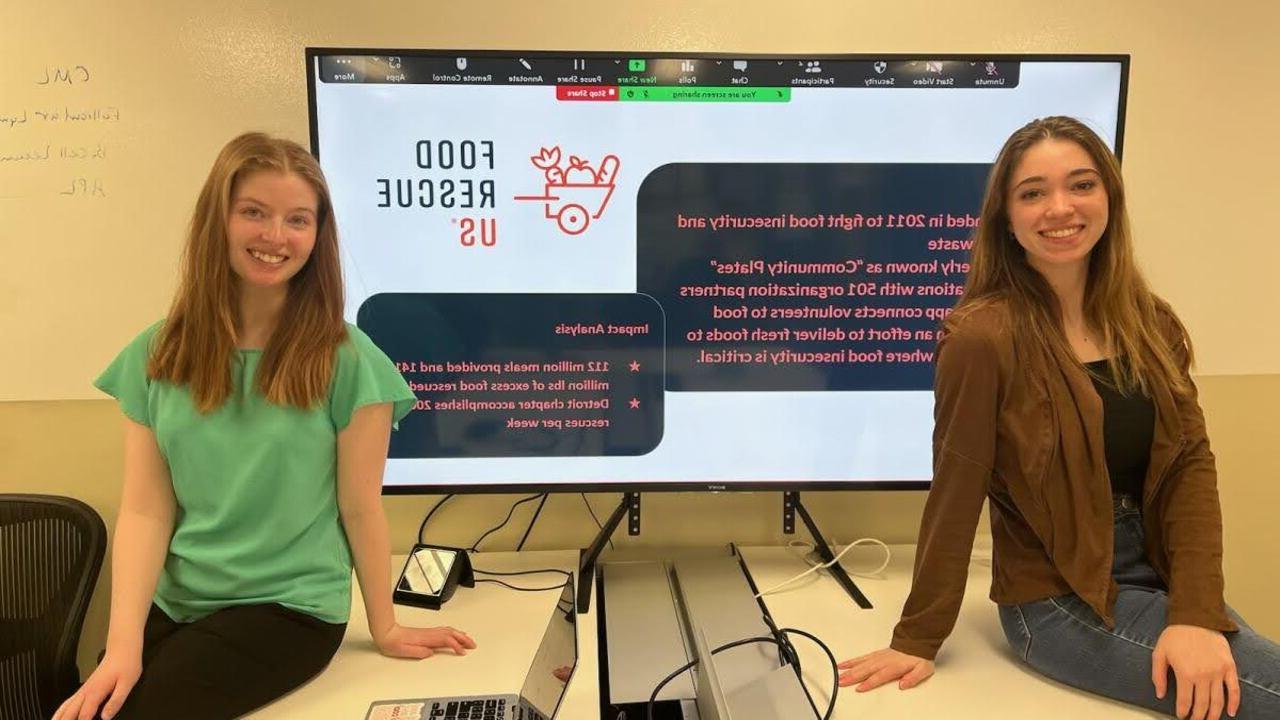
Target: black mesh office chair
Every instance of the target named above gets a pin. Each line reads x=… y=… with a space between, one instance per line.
x=50 y=552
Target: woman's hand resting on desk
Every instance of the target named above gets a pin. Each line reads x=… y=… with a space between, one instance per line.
x=1201 y=662
x=110 y=682
x=882 y=666
x=411 y=642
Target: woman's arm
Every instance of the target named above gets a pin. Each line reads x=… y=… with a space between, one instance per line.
x=966 y=398
x=1192 y=645
x=362 y=455
x=143 y=529
x=1191 y=516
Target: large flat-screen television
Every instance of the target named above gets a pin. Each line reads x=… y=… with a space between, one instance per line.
x=629 y=271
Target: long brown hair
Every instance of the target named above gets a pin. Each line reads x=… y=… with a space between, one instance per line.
x=197 y=343
x=1117 y=300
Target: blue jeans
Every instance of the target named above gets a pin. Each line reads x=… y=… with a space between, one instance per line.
x=1064 y=639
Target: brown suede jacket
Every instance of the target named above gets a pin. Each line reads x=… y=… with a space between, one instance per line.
x=1027 y=435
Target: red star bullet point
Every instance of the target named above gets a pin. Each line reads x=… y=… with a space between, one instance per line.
x=635 y=403
x=635 y=366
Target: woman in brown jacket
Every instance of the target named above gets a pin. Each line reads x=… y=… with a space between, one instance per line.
x=1062 y=395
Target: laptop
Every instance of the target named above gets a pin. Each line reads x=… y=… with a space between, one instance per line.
x=540 y=695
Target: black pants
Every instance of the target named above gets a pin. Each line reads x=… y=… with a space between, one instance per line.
x=227 y=664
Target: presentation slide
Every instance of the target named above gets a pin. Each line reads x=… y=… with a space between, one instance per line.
x=704 y=272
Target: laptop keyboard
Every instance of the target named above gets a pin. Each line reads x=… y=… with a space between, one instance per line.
x=490 y=709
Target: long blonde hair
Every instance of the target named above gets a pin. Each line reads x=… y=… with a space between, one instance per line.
x=197 y=343
x=1117 y=300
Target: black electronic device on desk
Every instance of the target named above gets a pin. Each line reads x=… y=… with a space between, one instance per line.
x=431 y=573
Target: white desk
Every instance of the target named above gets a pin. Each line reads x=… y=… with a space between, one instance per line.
x=977 y=676
x=507 y=626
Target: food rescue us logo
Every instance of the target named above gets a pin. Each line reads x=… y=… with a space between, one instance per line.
x=574 y=193
x=453 y=180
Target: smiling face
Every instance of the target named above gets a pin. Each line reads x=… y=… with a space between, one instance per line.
x=1057 y=204
x=271 y=228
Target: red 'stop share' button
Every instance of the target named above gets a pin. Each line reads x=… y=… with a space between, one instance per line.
x=598 y=93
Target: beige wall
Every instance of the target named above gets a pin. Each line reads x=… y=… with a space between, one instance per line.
x=1200 y=154
x=78 y=276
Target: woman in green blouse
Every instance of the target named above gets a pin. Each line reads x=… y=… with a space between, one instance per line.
x=257 y=424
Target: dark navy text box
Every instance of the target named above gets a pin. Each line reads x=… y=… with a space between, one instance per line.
x=523 y=375
x=917 y=203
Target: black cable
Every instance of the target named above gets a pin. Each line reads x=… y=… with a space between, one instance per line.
x=532 y=520
x=476 y=545
x=523 y=589
x=565 y=573
x=835 y=668
x=683 y=668
x=787 y=655
x=593 y=516
x=423 y=527
x=568 y=578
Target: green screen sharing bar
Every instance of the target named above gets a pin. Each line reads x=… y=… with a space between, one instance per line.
x=704 y=94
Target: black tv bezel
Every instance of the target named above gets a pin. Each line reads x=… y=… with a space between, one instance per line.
x=313 y=53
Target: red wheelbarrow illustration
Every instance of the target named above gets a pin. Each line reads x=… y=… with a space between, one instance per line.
x=575 y=195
